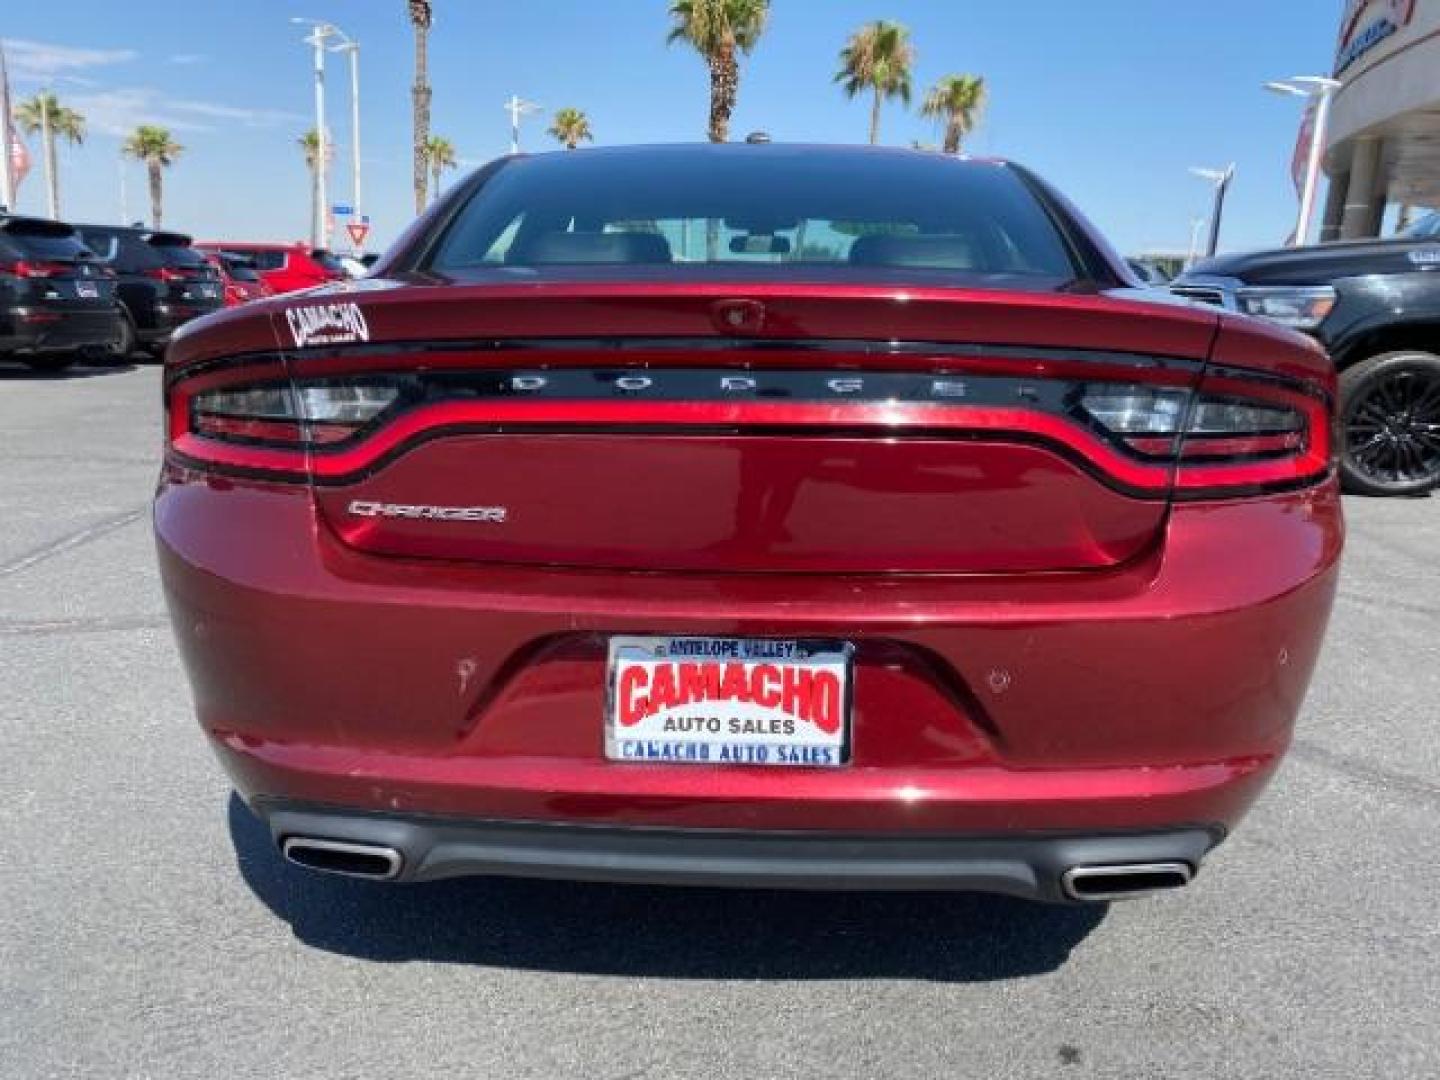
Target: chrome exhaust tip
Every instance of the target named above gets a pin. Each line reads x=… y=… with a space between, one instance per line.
x=1123 y=880
x=373 y=862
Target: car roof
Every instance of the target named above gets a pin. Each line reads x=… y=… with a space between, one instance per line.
x=150 y=236
x=837 y=152
x=26 y=223
x=251 y=245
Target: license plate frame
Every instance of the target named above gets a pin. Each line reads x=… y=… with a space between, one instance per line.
x=799 y=720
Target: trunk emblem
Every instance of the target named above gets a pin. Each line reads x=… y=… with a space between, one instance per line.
x=493 y=515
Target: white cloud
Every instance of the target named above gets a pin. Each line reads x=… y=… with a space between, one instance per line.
x=235 y=114
x=121 y=110
x=188 y=58
x=38 y=60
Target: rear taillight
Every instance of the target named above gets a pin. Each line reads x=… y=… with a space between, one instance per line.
x=1188 y=434
x=167 y=274
x=1235 y=433
x=26 y=269
x=272 y=427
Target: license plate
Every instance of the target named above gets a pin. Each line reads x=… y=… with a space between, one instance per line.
x=728 y=701
x=87 y=290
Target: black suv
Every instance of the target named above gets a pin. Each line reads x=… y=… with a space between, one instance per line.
x=56 y=302
x=163 y=281
x=1375 y=304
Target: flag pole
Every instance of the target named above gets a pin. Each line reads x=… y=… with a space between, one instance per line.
x=7 y=136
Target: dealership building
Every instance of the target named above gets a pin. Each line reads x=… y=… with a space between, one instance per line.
x=1383 y=145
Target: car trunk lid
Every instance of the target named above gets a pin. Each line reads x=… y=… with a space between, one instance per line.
x=715 y=428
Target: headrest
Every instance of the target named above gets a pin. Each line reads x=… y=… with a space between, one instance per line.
x=592 y=247
x=938 y=252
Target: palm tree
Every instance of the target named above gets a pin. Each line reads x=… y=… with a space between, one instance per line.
x=571 y=127
x=45 y=114
x=717 y=29
x=878 y=58
x=311 y=145
x=154 y=146
x=420 y=20
x=440 y=153
x=956 y=100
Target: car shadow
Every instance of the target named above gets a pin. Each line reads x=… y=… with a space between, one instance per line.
x=81 y=369
x=676 y=933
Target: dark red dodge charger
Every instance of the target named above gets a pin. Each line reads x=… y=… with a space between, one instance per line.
x=797 y=516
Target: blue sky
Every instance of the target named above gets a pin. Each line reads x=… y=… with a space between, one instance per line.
x=1112 y=99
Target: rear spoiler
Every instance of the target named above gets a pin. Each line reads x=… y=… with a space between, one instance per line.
x=168 y=239
x=33 y=226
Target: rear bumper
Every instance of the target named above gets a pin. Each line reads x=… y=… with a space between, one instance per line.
x=34 y=330
x=168 y=316
x=1155 y=697
x=1028 y=866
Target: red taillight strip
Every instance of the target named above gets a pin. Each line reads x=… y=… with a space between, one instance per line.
x=1069 y=435
x=1311 y=462
x=503 y=416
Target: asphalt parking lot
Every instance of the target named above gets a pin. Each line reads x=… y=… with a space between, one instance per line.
x=147 y=929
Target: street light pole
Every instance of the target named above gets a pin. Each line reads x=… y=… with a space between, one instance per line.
x=1310 y=86
x=518 y=107
x=1221 y=179
x=322 y=163
x=320 y=33
x=353 y=48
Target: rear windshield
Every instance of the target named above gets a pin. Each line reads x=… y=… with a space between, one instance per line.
x=785 y=213
x=328 y=261
x=173 y=254
x=239 y=269
x=44 y=243
x=265 y=258
x=126 y=250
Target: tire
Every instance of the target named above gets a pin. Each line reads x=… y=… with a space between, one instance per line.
x=1390 y=424
x=50 y=364
x=128 y=338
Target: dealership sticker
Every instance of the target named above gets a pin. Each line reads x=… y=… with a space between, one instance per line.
x=728 y=701
x=327 y=324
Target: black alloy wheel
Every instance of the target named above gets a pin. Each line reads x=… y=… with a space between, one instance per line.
x=1390 y=420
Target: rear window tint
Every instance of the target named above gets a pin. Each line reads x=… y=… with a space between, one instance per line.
x=179 y=255
x=126 y=251
x=45 y=245
x=776 y=212
x=266 y=260
x=328 y=261
x=239 y=269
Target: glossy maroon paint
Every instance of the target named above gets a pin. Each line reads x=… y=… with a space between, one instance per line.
x=999 y=690
x=751 y=503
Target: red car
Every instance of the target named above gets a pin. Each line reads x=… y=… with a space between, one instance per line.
x=750 y=515
x=284 y=267
x=240 y=278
